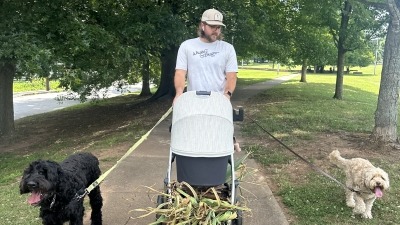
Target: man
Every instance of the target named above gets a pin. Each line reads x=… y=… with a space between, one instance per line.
x=209 y=63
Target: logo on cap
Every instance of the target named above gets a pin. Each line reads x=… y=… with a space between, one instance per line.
x=212 y=17
x=218 y=16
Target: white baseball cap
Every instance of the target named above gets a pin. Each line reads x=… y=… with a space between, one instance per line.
x=212 y=17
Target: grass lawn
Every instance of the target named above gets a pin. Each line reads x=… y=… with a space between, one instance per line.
x=249 y=76
x=306 y=117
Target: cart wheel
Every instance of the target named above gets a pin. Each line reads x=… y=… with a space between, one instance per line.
x=160 y=200
x=239 y=219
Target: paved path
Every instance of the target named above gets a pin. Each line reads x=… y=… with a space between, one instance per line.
x=124 y=189
x=36 y=102
x=32 y=104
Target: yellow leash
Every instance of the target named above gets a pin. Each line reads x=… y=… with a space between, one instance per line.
x=104 y=175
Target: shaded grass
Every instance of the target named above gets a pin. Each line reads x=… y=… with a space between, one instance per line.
x=13 y=206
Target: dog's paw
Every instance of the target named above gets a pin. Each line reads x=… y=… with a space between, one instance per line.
x=359 y=210
x=237 y=148
x=366 y=215
x=351 y=204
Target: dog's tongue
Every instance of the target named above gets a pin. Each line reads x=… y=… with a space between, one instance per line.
x=34 y=198
x=378 y=192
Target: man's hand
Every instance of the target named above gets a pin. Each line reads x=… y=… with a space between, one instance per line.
x=228 y=96
x=176 y=97
x=179 y=83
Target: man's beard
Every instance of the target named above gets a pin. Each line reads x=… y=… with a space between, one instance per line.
x=210 y=38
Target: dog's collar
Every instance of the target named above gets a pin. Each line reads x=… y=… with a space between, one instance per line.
x=353 y=190
x=53 y=201
x=360 y=192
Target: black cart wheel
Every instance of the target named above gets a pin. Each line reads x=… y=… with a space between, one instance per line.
x=239 y=219
x=160 y=200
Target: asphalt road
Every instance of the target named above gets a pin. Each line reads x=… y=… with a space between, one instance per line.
x=32 y=103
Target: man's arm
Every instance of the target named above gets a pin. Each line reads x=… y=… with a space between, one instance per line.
x=230 y=85
x=179 y=82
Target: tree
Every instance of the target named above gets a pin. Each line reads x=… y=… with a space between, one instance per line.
x=359 y=57
x=15 y=47
x=385 y=128
x=88 y=45
x=62 y=35
x=340 y=37
x=310 y=39
x=171 y=26
x=270 y=33
x=351 y=25
x=148 y=27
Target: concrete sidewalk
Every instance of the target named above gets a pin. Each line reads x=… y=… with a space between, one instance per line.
x=124 y=190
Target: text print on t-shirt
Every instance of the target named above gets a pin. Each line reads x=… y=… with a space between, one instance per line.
x=204 y=53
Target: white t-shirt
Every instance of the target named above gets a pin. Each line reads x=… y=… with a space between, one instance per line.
x=206 y=64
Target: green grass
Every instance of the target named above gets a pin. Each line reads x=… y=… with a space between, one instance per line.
x=267 y=157
x=14 y=210
x=270 y=66
x=310 y=107
x=321 y=201
x=295 y=112
x=365 y=70
x=248 y=77
x=34 y=85
x=370 y=69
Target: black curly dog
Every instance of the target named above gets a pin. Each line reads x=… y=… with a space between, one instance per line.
x=54 y=186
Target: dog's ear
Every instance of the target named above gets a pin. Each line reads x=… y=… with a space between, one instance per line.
x=52 y=171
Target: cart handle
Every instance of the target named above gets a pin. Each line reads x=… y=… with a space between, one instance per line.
x=203 y=92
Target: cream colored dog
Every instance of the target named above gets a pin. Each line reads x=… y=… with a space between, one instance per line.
x=368 y=181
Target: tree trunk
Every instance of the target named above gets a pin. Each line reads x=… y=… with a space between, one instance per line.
x=47 y=84
x=145 y=78
x=387 y=109
x=7 y=72
x=304 y=72
x=339 y=75
x=346 y=12
x=168 y=63
x=168 y=60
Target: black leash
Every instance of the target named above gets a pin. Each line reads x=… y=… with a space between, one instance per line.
x=300 y=157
